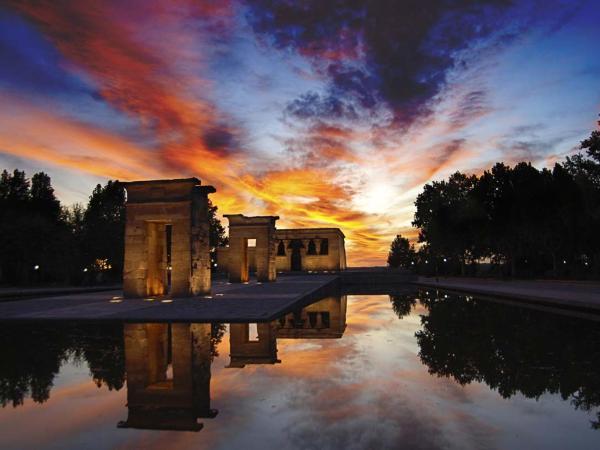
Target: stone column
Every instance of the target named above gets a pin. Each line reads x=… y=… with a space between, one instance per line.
x=238 y=258
x=136 y=256
x=180 y=258
x=201 y=374
x=200 y=242
x=266 y=252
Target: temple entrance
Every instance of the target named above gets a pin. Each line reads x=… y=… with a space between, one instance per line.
x=258 y=235
x=296 y=256
x=157 y=279
x=167 y=248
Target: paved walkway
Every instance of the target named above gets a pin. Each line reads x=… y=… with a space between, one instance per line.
x=14 y=293
x=573 y=294
x=254 y=302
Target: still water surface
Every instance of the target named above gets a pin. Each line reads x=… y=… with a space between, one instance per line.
x=416 y=370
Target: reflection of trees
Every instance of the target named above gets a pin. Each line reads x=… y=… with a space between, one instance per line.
x=217 y=331
x=32 y=355
x=102 y=347
x=512 y=350
x=403 y=303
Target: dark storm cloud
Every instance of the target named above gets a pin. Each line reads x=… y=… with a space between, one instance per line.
x=220 y=139
x=393 y=52
x=314 y=106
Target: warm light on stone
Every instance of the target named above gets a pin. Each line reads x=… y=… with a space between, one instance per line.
x=156 y=210
x=261 y=230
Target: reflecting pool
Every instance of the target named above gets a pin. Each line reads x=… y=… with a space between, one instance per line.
x=415 y=369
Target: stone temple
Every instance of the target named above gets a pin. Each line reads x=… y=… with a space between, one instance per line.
x=167 y=249
x=261 y=230
x=166 y=238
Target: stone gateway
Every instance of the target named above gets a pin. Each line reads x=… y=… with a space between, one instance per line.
x=242 y=230
x=167 y=238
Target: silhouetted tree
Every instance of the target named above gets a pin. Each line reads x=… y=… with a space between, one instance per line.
x=40 y=241
x=102 y=347
x=448 y=218
x=32 y=356
x=592 y=145
x=43 y=200
x=104 y=230
x=585 y=169
x=529 y=221
x=402 y=253
x=34 y=240
x=216 y=235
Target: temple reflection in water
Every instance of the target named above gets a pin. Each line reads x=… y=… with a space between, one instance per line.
x=257 y=343
x=168 y=375
x=169 y=365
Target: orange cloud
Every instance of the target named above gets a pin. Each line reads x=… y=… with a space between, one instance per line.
x=30 y=132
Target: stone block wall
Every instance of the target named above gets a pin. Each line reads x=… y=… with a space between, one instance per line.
x=334 y=260
x=298 y=325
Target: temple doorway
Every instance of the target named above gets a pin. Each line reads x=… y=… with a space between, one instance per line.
x=158 y=256
x=296 y=256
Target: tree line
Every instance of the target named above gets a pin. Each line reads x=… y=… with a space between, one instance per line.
x=43 y=241
x=510 y=221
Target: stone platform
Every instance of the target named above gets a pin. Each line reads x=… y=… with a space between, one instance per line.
x=230 y=303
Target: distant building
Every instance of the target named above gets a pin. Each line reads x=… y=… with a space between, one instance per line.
x=300 y=249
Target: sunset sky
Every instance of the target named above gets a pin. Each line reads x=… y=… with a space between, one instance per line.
x=326 y=113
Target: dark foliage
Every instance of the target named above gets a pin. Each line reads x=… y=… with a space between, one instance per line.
x=103 y=231
x=512 y=350
x=216 y=235
x=402 y=253
x=34 y=236
x=33 y=354
x=519 y=221
x=402 y=304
